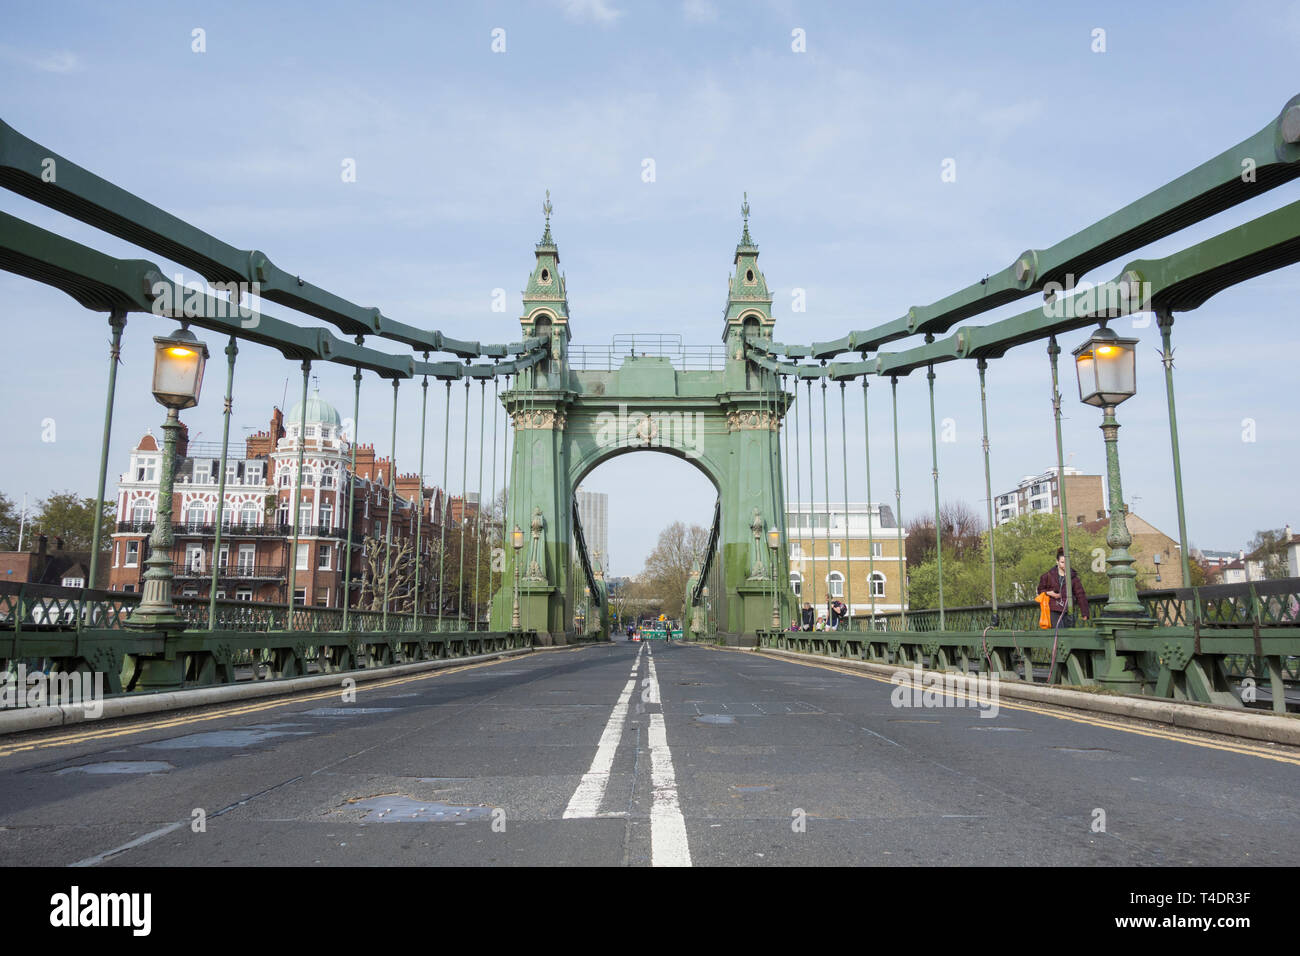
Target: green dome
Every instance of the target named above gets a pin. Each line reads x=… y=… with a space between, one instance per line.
x=319 y=412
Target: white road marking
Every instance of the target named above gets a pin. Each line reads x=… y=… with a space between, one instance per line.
x=585 y=802
x=668 y=844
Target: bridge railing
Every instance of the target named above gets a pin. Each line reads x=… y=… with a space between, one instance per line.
x=684 y=358
x=49 y=607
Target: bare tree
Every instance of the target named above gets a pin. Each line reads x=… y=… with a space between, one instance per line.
x=669 y=565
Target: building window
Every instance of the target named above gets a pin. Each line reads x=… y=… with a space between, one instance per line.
x=326 y=515
x=303 y=554
x=284 y=478
x=877 y=549
x=836 y=550
x=304 y=514
x=311 y=431
x=194 y=558
x=796 y=550
x=145 y=470
x=247 y=557
x=74 y=582
x=133 y=554
x=128 y=589
x=323 y=557
x=796 y=583
x=243 y=594
x=327 y=478
x=836 y=584
x=249 y=515
x=140 y=512
x=253 y=473
x=877 y=585
x=197 y=516
x=322 y=597
x=300 y=596
x=202 y=474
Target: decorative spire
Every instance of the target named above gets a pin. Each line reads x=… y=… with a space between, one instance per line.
x=744 y=211
x=546 y=209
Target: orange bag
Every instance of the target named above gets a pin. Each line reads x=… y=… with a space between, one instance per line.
x=1045 y=614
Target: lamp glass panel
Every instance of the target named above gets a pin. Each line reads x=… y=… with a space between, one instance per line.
x=177 y=373
x=1086 y=368
x=1115 y=371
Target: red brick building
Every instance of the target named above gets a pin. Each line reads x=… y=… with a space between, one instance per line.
x=258 y=509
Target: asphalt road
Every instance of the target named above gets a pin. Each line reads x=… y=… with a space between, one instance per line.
x=630 y=754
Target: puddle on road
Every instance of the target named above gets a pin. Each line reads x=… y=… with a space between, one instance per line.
x=120 y=766
x=245 y=737
x=392 y=808
x=346 y=711
x=716 y=719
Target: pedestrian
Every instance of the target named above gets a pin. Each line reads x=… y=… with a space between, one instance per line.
x=808 y=617
x=838 y=612
x=794 y=625
x=1052 y=583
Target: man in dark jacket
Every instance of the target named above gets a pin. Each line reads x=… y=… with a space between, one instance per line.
x=808 y=617
x=1052 y=584
x=838 y=612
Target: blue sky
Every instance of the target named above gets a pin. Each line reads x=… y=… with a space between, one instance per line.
x=839 y=148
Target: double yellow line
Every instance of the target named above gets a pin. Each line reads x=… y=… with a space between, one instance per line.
x=81 y=736
x=1249 y=750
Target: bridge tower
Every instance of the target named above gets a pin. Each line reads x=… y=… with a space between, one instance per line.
x=724 y=421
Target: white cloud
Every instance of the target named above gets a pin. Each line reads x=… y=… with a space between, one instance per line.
x=591 y=11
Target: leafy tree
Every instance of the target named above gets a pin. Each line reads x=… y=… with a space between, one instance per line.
x=10 y=520
x=67 y=515
x=1024 y=549
x=1268 y=547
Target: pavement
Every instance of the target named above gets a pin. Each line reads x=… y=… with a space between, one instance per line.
x=637 y=754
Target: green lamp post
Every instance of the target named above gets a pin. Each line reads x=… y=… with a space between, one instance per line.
x=516 y=542
x=178 y=361
x=1106 y=367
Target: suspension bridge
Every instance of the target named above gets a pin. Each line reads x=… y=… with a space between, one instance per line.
x=486 y=695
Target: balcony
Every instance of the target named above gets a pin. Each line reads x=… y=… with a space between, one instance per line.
x=183 y=570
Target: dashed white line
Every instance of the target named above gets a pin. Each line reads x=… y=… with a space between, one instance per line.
x=586 y=800
x=668 y=843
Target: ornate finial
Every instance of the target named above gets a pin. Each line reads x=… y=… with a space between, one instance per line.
x=744 y=211
x=546 y=209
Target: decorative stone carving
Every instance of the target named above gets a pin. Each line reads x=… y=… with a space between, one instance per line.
x=543 y=419
x=752 y=420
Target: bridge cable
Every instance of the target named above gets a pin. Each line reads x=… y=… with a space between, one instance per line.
x=871 y=519
x=812 y=496
x=844 y=460
x=446 y=504
x=419 y=507
x=478 y=510
x=826 y=482
x=982 y=364
x=934 y=470
x=492 y=490
x=798 y=498
x=232 y=349
x=1165 y=321
x=464 y=511
x=388 y=527
x=784 y=449
x=352 y=494
x=117 y=322
x=297 y=495
x=898 y=506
